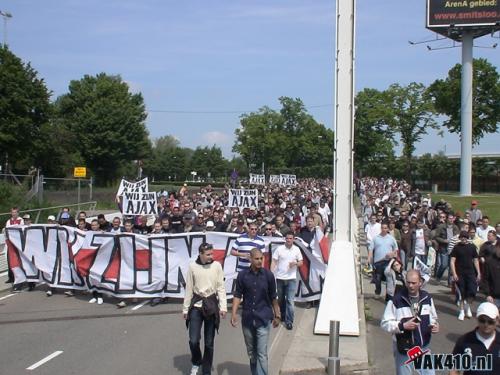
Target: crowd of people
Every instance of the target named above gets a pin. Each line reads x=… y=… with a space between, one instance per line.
x=288 y=212
x=413 y=241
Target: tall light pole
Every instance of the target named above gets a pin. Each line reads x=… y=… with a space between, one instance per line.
x=6 y=16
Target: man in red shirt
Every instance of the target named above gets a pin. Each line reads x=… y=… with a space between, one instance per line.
x=14 y=220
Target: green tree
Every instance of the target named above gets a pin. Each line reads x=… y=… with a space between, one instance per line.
x=373 y=138
x=410 y=114
x=446 y=94
x=108 y=122
x=290 y=138
x=207 y=160
x=24 y=110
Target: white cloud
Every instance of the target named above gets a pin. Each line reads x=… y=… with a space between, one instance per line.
x=216 y=137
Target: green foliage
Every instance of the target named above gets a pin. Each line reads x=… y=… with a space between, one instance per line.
x=209 y=160
x=24 y=111
x=373 y=139
x=108 y=123
x=410 y=114
x=10 y=195
x=285 y=139
x=446 y=94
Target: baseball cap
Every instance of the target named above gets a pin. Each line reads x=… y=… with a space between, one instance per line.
x=210 y=224
x=26 y=216
x=488 y=309
x=51 y=217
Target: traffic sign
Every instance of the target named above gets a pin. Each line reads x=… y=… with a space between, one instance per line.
x=80 y=172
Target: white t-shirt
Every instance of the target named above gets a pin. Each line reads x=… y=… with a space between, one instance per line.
x=420 y=242
x=283 y=256
x=483 y=233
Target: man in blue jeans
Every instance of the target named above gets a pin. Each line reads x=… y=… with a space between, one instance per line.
x=257 y=287
x=204 y=303
x=286 y=259
x=444 y=233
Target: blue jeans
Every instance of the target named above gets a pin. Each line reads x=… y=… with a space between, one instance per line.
x=443 y=260
x=286 y=296
x=256 y=340
x=378 y=275
x=196 y=320
x=399 y=362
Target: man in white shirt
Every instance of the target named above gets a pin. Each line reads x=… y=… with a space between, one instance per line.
x=286 y=259
x=482 y=231
x=372 y=230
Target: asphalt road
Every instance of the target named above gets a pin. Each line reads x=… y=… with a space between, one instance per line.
x=88 y=339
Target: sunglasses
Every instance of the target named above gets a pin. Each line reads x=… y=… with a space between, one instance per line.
x=485 y=320
x=206 y=246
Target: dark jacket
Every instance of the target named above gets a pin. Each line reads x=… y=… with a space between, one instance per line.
x=441 y=236
x=492 y=276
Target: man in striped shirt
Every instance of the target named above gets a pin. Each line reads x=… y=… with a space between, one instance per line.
x=244 y=244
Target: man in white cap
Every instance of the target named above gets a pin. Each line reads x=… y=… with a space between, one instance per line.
x=482 y=341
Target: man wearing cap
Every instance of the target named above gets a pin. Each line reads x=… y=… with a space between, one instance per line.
x=27 y=219
x=51 y=219
x=474 y=212
x=483 y=341
x=464 y=266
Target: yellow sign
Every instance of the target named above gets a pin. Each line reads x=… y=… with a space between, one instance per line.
x=80 y=172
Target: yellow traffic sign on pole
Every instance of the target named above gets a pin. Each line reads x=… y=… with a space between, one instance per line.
x=80 y=172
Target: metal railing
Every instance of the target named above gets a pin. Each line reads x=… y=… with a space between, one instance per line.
x=85 y=206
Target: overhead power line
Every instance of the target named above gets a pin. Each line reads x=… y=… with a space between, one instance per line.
x=220 y=112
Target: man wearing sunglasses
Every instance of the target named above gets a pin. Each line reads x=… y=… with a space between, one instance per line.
x=483 y=340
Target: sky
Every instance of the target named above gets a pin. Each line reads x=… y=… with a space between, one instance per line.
x=201 y=64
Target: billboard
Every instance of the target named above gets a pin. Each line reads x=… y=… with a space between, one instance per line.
x=474 y=13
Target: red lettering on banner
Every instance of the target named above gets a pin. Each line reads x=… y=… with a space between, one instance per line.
x=83 y=260
x=324 y=245
x=219 y=255
x=113 y=268
x=142 y=257
x=14 y=260
x=305 y=268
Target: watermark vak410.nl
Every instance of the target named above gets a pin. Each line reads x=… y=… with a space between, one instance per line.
x=423 y=360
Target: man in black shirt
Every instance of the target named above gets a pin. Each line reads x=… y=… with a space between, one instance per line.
x=465 y=272
x=483 y=341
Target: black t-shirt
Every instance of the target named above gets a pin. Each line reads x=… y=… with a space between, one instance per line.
x=469 y=341
x=464 y=255
x=176 y=225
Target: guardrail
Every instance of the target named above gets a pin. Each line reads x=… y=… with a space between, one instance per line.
x=35 y=217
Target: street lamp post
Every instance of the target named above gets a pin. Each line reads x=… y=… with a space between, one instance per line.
x=6 y=16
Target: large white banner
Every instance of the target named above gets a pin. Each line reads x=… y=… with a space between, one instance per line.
x=288 y=179
x=274 y=179
x=143 y=203
x=132 y=187
x=132 y=265
x=257 y=179
x=243 y=198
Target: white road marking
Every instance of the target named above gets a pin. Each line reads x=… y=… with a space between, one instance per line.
x=44 y=360
x=137 y=307
x=280 y=331
x=7 y=296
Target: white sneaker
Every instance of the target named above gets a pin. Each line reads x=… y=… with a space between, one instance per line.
x=468 y=312
x=93 y=300
x=99 y=301
x=49 y=293
x=121 y=304
x=194 y=370
x=69 y=293
x=461 y=315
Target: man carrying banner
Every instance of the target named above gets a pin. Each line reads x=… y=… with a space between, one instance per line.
x=286 y=259
x=204 y=302
x=244 y=244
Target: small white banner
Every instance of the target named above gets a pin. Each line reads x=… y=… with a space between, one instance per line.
x=142 y=203
x=257 y=179
x=274 y=179
x=288 y=180
x=132 y=187
x=243 y=198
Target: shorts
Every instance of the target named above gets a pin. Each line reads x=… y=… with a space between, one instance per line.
x=467 y=284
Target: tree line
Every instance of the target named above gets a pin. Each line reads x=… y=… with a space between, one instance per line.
x=100 y=123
